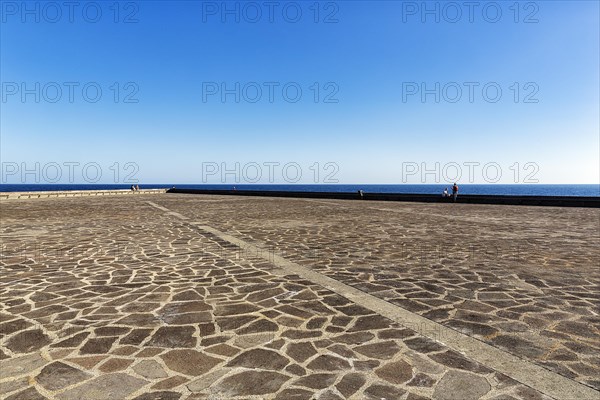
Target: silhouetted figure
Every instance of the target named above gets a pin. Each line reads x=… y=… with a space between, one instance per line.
x=454 y=191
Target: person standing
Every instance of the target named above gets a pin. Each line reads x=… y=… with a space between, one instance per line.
x=454 y=191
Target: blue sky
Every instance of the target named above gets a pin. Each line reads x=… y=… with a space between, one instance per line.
x=366 y=58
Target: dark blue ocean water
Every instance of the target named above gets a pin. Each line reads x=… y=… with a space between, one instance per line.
x=496 y=189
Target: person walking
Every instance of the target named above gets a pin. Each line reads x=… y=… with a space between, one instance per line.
x=454 y=192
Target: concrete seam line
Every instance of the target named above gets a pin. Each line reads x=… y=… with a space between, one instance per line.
x=159 y=207
x=524 y=371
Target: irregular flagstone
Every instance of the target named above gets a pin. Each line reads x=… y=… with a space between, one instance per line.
x=115 y=364
x=581 y=329
x=187 y=318
x=109 y=386
x=424 y=364
x=301 y=351
x=111 y=331
x=354 y=338
x=370 y=322
x=382 y=351
x=396 y=372
x=20 y=365
x=170 y=383
x=173 y=336
x=295 y=369
x=233 y=323
x=330 y=395
x=262 y=325
x=378 y=392
x=521 y=346
x=316 y=381
x=343 y=351
x=253 y=340
x=294 y=394
x=11 y=386
x=73 y=341
x=250 y=383
x=413 y=396
x=456 y=360
x=45 y=311
x=300 y=334
x=328 y=363
x=461 y=385
x=350 y=384
x=138 y=320
x=259 y=358
x=187 y=296
x=13 y=326
x=27 y=394
x=294 y=311
x=189 y=362
x=223 y=350
x=183 y=307
x=125 y=350
x=423 y=345
x=261 y=287
x=472 y=328
x=98 y=345
x=164 y=395
x=264 y=294
x=86 y=362
x=206 y=381
x=316 y=323
x=136 y=337
x=28 y=341
x=149 y=369
x=422 y=380
x=206 y=329
x=59 y=375
x=236 y=309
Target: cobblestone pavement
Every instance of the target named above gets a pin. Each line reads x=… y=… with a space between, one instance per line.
x=118 y=298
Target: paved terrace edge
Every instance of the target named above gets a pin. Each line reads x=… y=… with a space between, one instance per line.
x=550 y=201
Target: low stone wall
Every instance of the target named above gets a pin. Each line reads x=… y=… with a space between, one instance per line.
x=557 y=201
x=75 y=193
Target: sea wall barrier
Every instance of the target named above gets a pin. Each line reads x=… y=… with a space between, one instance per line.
x=76 y=193
x=557 y=201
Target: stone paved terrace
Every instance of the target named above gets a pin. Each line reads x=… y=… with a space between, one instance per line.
x=170 y=296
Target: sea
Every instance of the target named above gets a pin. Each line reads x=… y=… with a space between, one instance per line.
x=590 y=190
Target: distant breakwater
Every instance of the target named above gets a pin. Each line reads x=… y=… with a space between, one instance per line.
x=75 y=193
x=551 y=201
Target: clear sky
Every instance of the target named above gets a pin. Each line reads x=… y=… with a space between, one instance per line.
x=362 y=68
